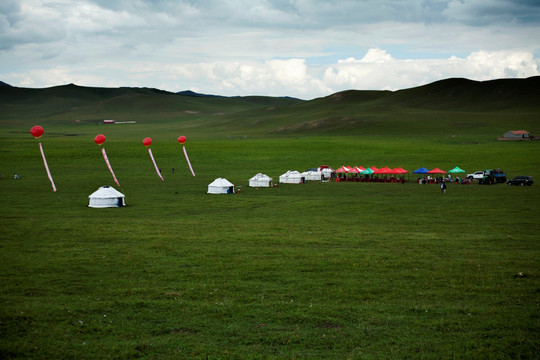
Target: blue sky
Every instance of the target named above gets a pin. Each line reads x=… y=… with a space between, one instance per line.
x=300 y=48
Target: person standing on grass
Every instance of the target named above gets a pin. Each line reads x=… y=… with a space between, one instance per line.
x=443 y=187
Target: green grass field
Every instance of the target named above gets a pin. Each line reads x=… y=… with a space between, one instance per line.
x=313 y=271
x=321 y=270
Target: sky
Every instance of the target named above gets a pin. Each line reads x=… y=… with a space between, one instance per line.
x=298 y=48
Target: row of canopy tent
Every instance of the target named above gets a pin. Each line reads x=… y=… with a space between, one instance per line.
x=223 y=186
x=371 y=170
x=423 y=170
x=394 y=171
x=295 y=177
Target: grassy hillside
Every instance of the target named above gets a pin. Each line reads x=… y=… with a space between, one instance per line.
x=454 y=106
x=66 y=104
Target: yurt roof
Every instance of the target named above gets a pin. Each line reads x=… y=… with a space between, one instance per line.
x=261 y=176
x=221 y=182
x=311 y=172
x=292 y=173
x=106 y=192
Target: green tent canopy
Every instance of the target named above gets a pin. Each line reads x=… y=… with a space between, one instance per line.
x=368 y=171
x=456 y=170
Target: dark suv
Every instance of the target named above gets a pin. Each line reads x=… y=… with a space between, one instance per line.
x=521 y=180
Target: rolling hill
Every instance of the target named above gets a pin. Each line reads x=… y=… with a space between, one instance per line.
x=456 y=105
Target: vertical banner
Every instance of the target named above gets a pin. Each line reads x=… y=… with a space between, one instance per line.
x=181 y=140
x=47 y=167
x=155 y=165
x=109 y=165
x=36 y=132
x=147 y=142
x=100 y=139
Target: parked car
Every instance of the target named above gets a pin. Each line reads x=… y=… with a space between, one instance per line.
x=521 y=180
x=492 y=176
x=478 y=175
x=488 y=176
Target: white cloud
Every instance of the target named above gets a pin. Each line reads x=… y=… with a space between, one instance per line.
x=302 y=48
x=485 y=65
x=274 y=77
x=61 y=76
x=378 y=70
x=372 y=56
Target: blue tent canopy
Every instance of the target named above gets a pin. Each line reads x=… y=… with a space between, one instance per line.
x=422 y=170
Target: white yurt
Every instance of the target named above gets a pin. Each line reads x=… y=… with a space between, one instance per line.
x=291 y=177
x=221 y=186
x=106 y=196
x=327 y=172
x=260 y=180
x=311 y=175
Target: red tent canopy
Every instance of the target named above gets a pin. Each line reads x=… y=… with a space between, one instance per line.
x=402 y=170
x=356 y=169
x=384 y=170
x=436 y=171
x=343 y=169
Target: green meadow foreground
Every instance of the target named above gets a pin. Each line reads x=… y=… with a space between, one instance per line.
x=313 y=271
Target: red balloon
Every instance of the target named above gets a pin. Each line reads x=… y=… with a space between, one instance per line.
x=99 y=139
x=36 y=131
x=147 y=141
x=182 y=139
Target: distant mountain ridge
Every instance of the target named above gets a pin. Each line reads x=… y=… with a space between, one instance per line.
x=446 y=88
x=451 y=88
x=452 y=91
x=495 y=94
x=195 y=94
x=454 y=102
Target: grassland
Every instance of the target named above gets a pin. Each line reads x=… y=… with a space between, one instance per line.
x=318 y=271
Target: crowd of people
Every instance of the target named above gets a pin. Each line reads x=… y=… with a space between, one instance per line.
x=440 y=179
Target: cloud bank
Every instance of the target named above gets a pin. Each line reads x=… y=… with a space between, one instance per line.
x=300 y=48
